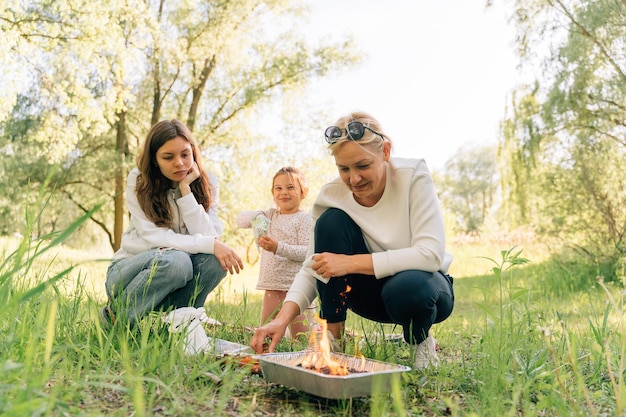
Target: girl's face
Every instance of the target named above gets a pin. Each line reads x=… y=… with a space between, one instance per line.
x=362 y=168
x=175 y=159
x=287 y=194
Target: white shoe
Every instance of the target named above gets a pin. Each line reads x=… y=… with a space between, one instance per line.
x=426 y=354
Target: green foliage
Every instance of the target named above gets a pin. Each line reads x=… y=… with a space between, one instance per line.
x=468 y=187
x=92 y=77
x=28 y=316
x=563 y=144
x=518 y=343
x=519 y=145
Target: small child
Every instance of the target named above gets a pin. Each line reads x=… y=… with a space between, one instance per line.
x=283 y=235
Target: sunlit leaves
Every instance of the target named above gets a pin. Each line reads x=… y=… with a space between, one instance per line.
x=468 y=188
x=563 y=155
x=87 y=79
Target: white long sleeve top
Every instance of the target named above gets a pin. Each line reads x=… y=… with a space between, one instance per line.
x=194 y=230
x=404 y=230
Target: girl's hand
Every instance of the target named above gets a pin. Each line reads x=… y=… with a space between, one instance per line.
x=268 y=243
x=192 y=175
x=228 y=257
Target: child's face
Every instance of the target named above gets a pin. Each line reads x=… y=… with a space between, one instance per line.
x=287 y=194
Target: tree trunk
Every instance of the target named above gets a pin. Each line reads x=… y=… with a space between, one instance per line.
x=157 y=100
x=156 y=96
x=197 y=92
x=120 y=177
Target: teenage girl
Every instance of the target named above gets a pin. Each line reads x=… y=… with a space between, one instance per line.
x=170 y=254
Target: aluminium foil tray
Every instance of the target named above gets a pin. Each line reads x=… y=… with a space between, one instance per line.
x=375 y=376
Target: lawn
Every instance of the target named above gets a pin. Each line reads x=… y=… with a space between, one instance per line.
x=538 y=338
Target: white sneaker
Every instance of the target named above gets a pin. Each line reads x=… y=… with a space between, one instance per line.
x=426 y=354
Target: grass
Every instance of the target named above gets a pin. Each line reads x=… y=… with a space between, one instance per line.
x=538 y=338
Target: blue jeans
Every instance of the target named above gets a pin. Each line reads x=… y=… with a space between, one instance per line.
x=160 y=279
x=414 y=299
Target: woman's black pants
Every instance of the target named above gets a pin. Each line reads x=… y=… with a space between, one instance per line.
x=414 y=299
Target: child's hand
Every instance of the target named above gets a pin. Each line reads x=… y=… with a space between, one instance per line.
x=260 y=225
x=268 y=243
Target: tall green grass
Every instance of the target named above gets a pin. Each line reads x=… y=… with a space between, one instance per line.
x=527 y=338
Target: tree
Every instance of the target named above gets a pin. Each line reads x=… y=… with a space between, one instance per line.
x=103 y=73
x=468 y=186
x=566 y=136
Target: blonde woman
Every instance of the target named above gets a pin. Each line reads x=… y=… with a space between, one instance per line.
x=378 y=229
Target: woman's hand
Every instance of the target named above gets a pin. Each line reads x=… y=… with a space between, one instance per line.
x=228 y=257
x=330 y=265
x=272 y=331
x=192 y=175
x=185 y=185
x=268 y=243
x=275 y=329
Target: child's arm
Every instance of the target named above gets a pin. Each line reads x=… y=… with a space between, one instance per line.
x=297 y=251
x=292 y=252
x=244 y=219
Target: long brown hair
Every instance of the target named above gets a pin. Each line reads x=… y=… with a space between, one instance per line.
x=152 y=185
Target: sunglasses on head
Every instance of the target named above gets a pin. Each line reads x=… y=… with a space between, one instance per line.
x=354 y=131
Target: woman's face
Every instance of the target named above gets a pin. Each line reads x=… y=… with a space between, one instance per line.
x=175 y=158
x=362 y=168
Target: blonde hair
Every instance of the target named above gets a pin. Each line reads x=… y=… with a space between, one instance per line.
x=368 y=138
x=296 y=176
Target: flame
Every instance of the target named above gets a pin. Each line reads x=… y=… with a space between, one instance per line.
x=348 y=289
x=319 y=356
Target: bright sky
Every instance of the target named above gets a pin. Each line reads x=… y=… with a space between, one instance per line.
x=437 y=72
